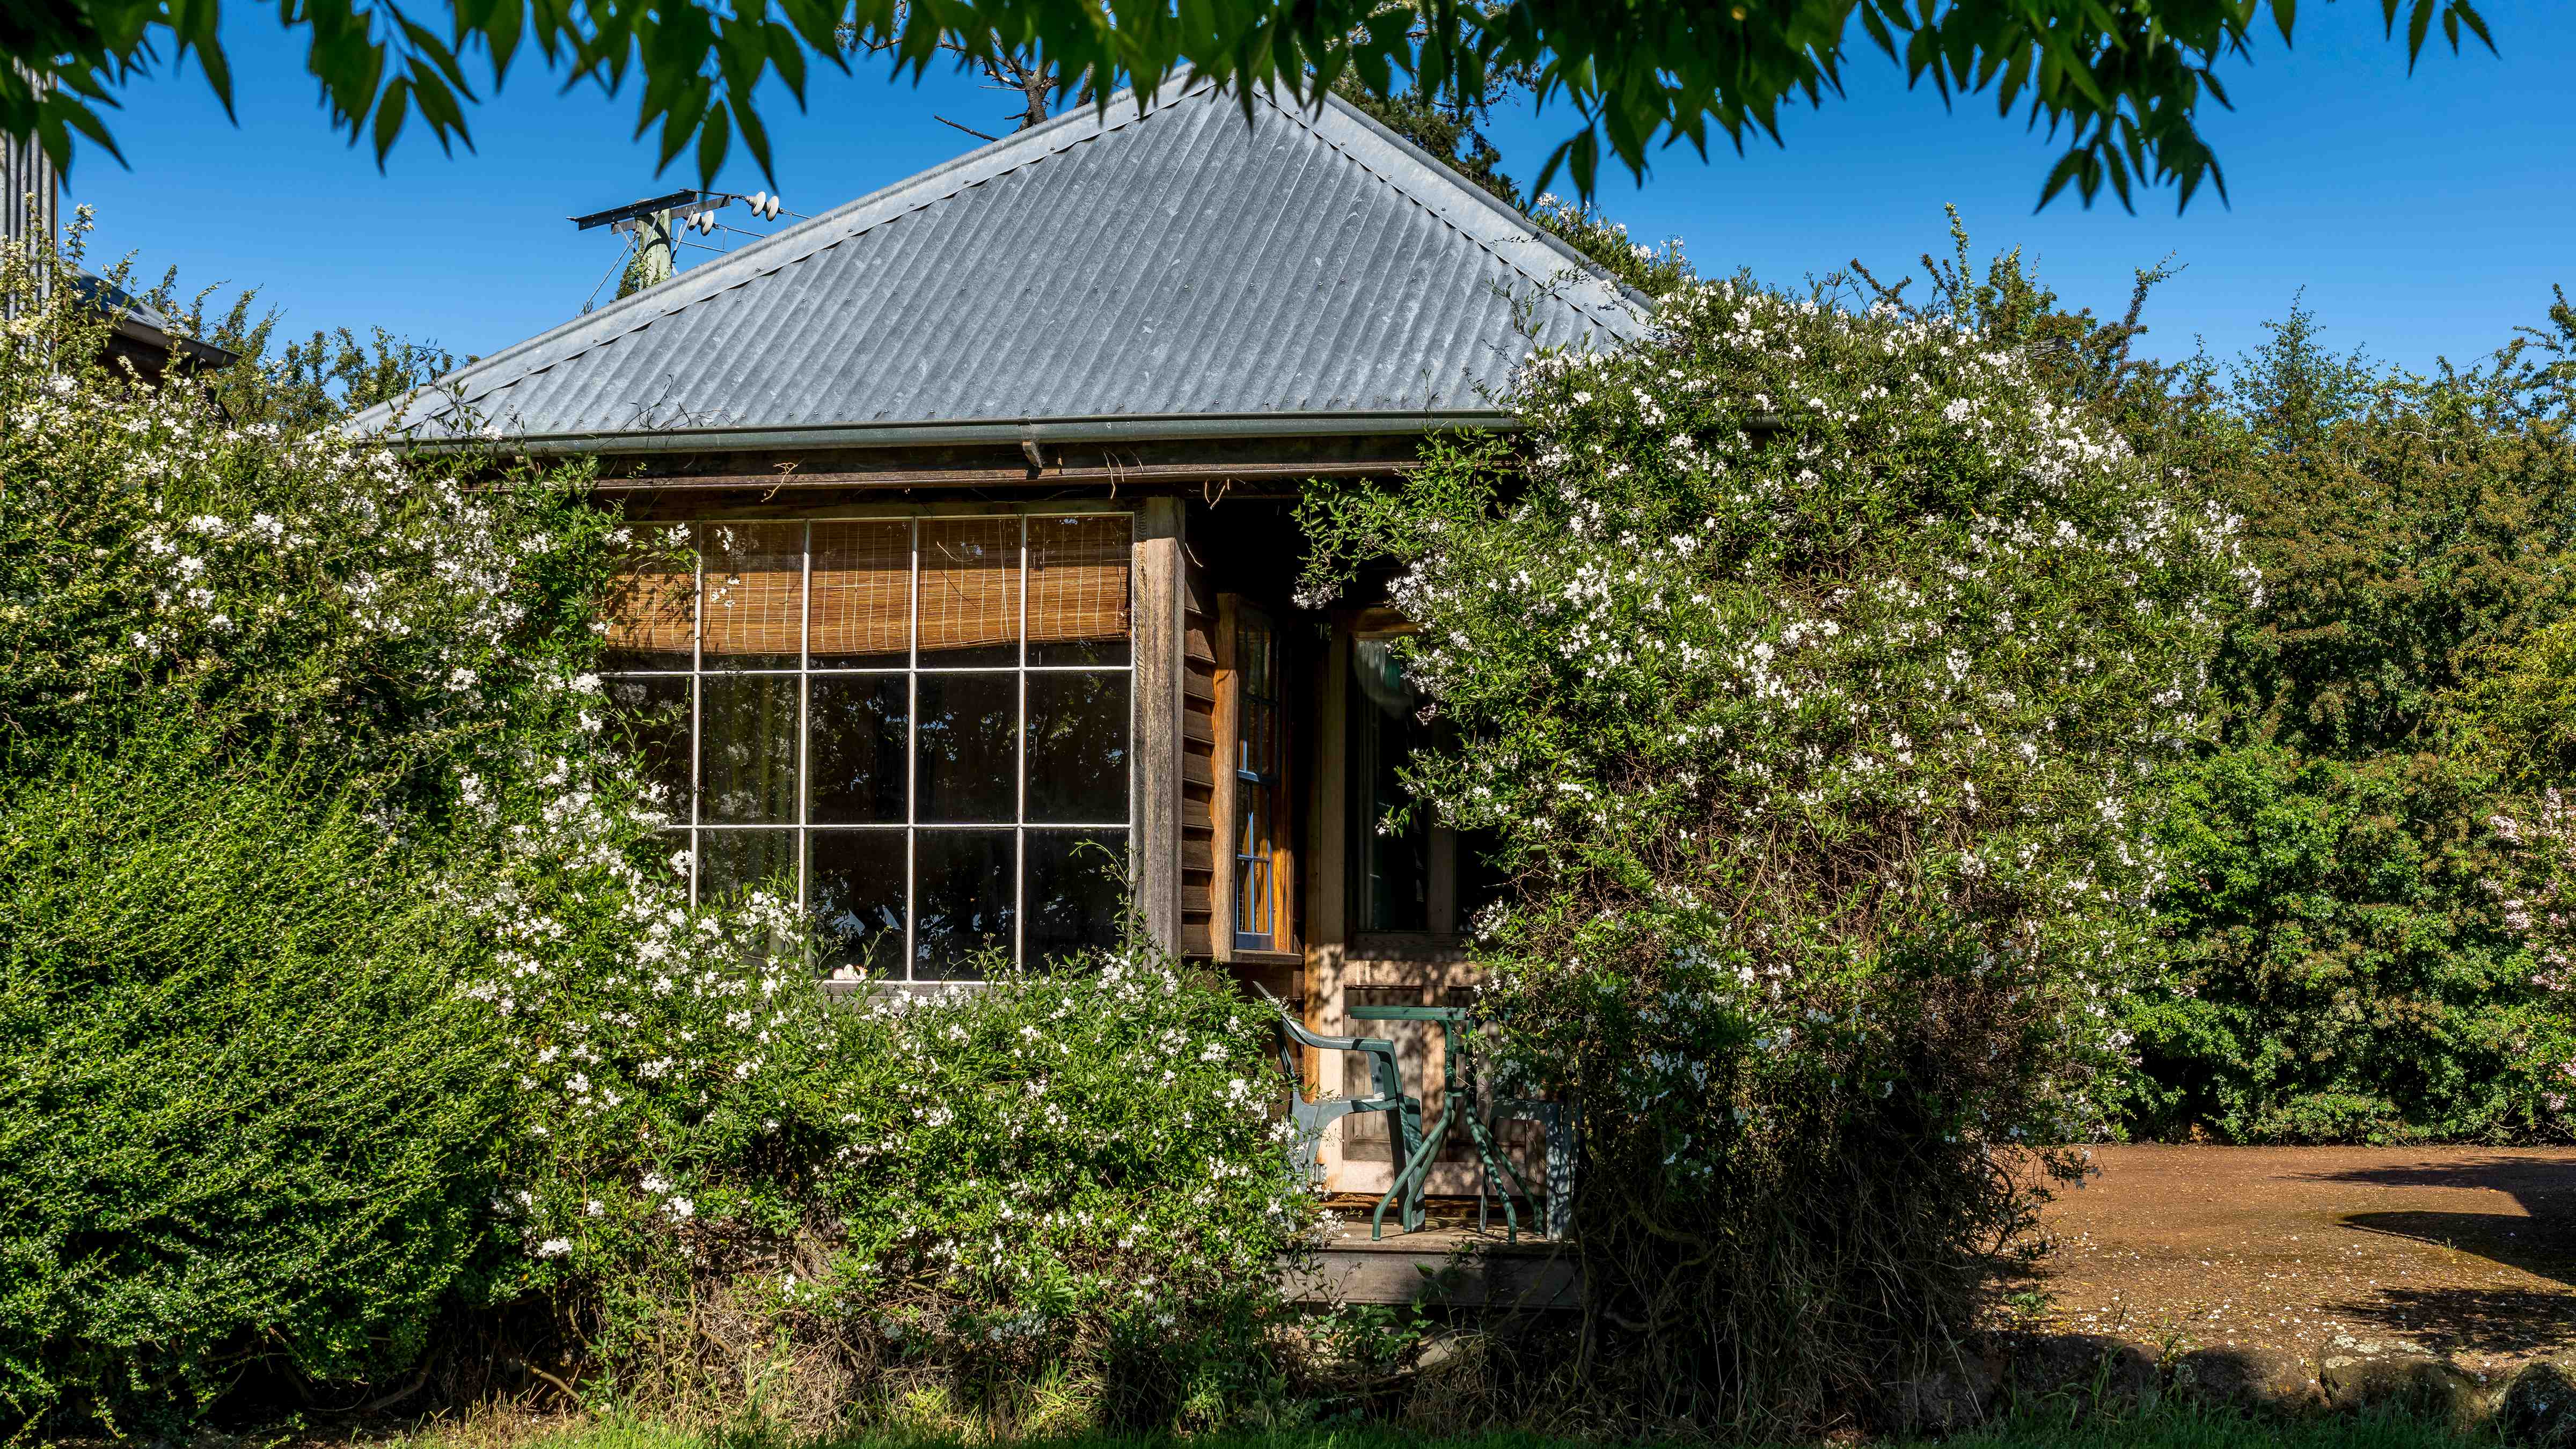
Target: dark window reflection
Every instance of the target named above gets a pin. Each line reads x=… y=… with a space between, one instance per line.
x=1075 y=890
x=962 y=883
x=1078 y=748
x=857 y=749
x=1394 y=870
x=1482 y=880
x=734 y=861
x=654 y=712
x=747 y=749
x=854 y=885
x=969 y=748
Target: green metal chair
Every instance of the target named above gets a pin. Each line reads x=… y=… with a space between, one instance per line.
x=1558 y=1121
x=1457 y=1107
x=1310 y=1118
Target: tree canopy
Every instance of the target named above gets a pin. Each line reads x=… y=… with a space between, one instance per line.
x=2122 y=82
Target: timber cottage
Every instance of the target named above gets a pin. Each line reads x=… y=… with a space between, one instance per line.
x=990 y=476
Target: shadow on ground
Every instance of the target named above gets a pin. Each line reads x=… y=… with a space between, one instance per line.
x=2468 y=1320
x=2536 y=1245
x=2545 y=1187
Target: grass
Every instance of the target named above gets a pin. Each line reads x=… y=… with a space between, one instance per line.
x=2174 y=1428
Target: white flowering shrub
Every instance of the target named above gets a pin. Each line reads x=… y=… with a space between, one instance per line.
x=1654 y=269
x=2542 y=914
x=1069 y=1174
x=278 y=711
x=1806 y=666
x=346 y=986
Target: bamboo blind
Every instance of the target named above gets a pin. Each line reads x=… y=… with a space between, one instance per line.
x=648 y=607
x=1077 y=579
x=754 y=603
x=862 y=590
x=970 y=583
x=753 y=576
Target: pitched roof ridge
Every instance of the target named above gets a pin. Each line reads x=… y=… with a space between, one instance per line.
x=1450 y=176
x=1497 y=231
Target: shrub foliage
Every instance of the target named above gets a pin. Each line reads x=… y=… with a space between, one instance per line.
x=1810 y=684
x=346 y=987
x=2346 y=963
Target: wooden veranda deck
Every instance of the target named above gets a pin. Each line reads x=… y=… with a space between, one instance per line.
x=1448 y=1262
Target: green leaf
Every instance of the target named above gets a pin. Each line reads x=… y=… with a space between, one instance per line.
x=391 y=109
x=2072 y=166
x=714 y=134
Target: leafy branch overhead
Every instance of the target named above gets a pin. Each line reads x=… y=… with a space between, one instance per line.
x=2122 y=81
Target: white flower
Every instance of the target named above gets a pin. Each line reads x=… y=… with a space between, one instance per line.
x=554 y=1247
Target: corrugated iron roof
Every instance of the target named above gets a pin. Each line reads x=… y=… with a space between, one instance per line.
x=1112 y=274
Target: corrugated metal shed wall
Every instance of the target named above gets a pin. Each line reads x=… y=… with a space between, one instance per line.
x=29 y=191
x=1181 y=262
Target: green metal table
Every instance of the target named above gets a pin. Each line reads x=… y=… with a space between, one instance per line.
x=1455 y=1087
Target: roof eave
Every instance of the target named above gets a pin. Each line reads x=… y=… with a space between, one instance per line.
x=1118 y=429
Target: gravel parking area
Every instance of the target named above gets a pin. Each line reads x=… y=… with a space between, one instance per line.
x=2469 y=1252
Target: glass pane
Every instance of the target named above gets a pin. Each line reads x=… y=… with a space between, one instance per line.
x=969 y=759
x=1252 y=903
x=753 y=595
x=1074 y=889
x=1078 y=748
x=1394 y=870
x=854 y=883
x=1252 y=844
x=1259 y=747
x=1256 y=664
x=732 y=861
x=970 y=592
x=1078 y=590
x=654 y=711
x=862 y=606
x=647 y=608
x=856 y=748
x=962 y=882
x=747 y=749
x=1253 y=651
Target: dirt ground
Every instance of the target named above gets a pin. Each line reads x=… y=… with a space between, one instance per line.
x=2464 y=1251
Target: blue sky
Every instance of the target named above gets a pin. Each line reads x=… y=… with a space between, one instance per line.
x=2424 y=216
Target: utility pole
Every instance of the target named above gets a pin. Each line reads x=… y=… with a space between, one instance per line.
x=656 y=222
x=655 y=256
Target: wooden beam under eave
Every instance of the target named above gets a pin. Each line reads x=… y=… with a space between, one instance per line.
x=1227 y=476
x=1204 y=465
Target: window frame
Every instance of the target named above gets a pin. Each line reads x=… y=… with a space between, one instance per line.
x=802 y=829
x=1269 y=790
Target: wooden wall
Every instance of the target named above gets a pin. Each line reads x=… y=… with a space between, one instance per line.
x=1202 y=930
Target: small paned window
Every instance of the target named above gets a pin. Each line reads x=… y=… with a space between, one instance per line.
x=1260 y=916
x=922 y=728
